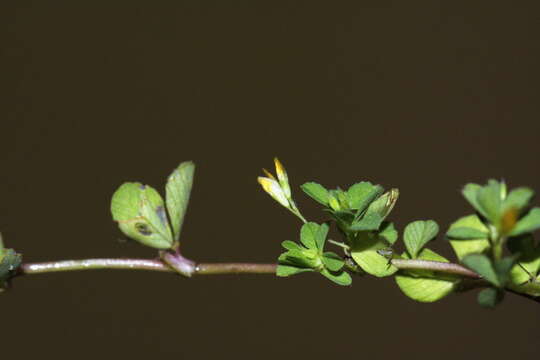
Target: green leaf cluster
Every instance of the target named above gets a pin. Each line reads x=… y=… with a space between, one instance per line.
x=507 y=212
x=309 y=256
x=503 y=219
x=140 y=210
x=360 y=214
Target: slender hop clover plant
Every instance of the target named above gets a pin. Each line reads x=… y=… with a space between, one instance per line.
x=494 y=245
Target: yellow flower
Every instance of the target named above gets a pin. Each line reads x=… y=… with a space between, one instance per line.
x=282 y=178
x=271 y=186
x=279 y=189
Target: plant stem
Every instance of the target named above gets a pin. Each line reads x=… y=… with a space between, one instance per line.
x=235 y=268
x=473 y=280
x=217 y=268
x=438 y=266
x=143 y=264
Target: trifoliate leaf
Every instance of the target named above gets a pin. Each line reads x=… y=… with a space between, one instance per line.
x=288 y=270
x=140 y=213
x=317 y=192
x=490 y=297
x=417 y=234
x=388 y=232
x=483 y=266
x=364 y=252
x=362 y=194
x=342 y=278
x=177 y=192
x=425 y=286
x=528 y=223
x=332 y=261
x=463 y=247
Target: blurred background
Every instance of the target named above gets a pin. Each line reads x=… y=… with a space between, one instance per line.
x=424 y=96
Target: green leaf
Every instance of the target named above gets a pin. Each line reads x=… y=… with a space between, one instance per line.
x=362 y=194
x=316 y=191
x=152 y=208
x=369 y=222
x=297 y=258
x=528 y=223
x=343 y=278
x=490 y=297
x=333 y=201
x=426 y=286
x=332 y=261
x=313 y=235
x=320 y=239
x=483 y=266
x=470 y=192
x=490 y=200
x=383 y=205
x=140 y=213
x=287 y=270
x=388 y=232
x=417 y=234
x=177 y=192
x=291 y=245
x=466 y=233
x=308 y=234
x=342 y=198
x=364 y=253
x=518 y=199
x=424 y=289
x=463 y=247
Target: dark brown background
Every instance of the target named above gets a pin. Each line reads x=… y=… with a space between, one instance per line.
x=424 y=96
